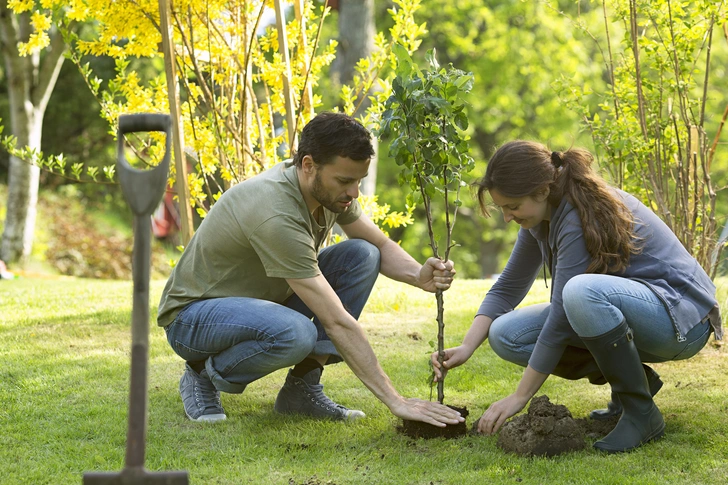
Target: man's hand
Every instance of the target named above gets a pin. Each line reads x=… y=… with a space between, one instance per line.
x=453 y=357
x=499 y=411
x=429 y=412
x=436 y=275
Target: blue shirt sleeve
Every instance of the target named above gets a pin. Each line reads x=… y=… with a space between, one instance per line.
x=513 y=284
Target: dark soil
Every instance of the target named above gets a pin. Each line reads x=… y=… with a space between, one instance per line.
x=418 y=429
x=548 y=430
x=596 y=430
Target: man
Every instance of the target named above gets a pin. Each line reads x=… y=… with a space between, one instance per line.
x=239 y=303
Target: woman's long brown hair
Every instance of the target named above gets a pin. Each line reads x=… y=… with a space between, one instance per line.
x=523 y=168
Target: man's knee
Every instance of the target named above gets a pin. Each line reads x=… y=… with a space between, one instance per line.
x=364 y=252
x=297 y=343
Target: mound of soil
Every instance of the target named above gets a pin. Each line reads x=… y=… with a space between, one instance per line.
x=418 y=429
x=545 y=430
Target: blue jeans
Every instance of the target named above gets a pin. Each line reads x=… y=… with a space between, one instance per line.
x=243 y=339
x=594 y=305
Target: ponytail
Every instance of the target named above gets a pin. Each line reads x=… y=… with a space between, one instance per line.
x=607 y=223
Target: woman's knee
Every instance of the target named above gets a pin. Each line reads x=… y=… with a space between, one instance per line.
x=576 y=291
x=500 y=339
x=576 y=297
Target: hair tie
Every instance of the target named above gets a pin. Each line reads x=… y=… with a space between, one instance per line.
x=557 y=159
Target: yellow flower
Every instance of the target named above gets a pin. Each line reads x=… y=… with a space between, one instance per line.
x=41 y=23
x=20 y=6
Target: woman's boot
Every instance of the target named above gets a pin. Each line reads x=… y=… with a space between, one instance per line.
x=641 y=421
x=614 y=407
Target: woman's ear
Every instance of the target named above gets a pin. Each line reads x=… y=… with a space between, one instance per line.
x=541 y=194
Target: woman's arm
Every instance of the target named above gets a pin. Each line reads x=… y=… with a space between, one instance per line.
x=518 y=276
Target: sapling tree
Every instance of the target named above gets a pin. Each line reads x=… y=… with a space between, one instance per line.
x=425 y=117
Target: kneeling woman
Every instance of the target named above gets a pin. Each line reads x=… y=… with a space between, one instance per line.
x=624 y=290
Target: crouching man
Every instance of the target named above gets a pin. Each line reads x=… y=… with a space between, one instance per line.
x=254 y=292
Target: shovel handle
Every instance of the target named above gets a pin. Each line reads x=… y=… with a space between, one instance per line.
x=143 y=189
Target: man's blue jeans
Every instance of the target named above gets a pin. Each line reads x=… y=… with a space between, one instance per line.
x=594 y=305
x=243 y=339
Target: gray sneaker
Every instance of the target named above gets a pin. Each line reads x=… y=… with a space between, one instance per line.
x=306 y=396
x=200 y=398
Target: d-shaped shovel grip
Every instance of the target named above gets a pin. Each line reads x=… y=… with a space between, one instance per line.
x=143 y=189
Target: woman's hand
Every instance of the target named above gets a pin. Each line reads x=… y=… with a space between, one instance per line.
x=494 y=417
x=499 y=412
x=453 y=357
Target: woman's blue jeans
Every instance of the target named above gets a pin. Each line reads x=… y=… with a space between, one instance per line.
x=594 y=305
x=243 y=339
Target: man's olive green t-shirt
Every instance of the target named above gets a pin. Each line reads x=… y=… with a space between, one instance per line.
x=257 y=234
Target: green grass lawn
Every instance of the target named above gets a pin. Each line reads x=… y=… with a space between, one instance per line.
x=64 y=360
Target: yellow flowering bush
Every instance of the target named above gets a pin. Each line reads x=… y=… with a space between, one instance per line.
x=230 y=71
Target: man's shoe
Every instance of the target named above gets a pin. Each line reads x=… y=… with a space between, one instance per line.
x=200 y=398
x=306 y=396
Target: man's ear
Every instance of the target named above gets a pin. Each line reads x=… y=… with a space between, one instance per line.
x=307 y=164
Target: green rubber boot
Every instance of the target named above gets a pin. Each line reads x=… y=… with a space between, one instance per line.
x=641 y=421
x=614 y=407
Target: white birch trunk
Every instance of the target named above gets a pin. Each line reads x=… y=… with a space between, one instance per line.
x=30 y=83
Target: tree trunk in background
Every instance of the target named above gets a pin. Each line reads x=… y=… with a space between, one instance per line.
x=489 y=247
x=356 y=41
x=30 y=83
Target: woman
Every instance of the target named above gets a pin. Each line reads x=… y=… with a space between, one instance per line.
x=624 y=290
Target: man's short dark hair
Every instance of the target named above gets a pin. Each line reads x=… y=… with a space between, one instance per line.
x=329 y=135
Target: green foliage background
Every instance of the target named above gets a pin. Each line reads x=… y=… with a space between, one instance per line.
x=518 y=51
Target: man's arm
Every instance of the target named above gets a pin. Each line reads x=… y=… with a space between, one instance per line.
x=397 y=264
x=352 y=344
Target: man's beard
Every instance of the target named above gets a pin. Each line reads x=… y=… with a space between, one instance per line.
x=319 y=193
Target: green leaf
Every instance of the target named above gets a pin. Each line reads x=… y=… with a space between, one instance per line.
x=410 y=199
x=464 y=82
x=404 y=61
x=461 y=121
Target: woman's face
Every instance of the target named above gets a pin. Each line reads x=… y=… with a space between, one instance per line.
x=526 y=211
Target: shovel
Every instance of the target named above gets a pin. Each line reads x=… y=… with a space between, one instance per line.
x=142 y=189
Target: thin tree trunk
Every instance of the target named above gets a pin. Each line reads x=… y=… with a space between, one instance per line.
x=356 y=41
x=30 y=83
x=180 y=158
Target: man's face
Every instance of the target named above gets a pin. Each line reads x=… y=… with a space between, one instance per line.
x=336 y=185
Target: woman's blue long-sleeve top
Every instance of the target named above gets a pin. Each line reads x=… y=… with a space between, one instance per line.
x=663 y=264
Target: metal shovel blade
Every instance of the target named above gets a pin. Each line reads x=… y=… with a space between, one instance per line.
x=142 y=189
